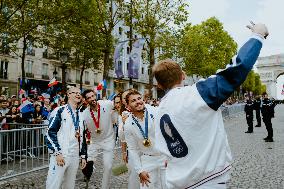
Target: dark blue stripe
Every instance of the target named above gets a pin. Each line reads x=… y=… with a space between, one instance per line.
x=217 y=89
x=53 y=128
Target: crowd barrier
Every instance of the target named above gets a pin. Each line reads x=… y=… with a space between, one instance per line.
x=230 y=110
x=23 y=150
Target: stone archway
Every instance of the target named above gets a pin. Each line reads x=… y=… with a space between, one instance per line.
x=269 y=69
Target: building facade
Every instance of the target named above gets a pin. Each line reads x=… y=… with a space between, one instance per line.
x=41 y=66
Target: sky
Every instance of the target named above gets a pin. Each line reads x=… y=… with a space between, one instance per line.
x=235 y=15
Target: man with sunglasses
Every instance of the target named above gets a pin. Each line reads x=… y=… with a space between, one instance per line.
x=65 y=142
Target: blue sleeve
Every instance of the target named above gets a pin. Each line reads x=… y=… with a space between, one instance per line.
x=53 y=128
x=216 y=89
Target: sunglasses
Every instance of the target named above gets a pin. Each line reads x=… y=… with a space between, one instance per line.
x=77 y=93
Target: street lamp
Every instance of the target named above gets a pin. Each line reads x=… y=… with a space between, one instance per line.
x=63 y=56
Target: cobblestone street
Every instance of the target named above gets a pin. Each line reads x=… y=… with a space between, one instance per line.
x=257 y=164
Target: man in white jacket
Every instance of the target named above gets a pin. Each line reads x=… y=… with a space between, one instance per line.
x=190 y=130
x=65 y=142
x=98 y=119
x=139 y=131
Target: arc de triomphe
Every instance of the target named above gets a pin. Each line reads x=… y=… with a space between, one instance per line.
x=269 y=69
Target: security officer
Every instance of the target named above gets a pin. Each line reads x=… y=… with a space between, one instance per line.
x=249 y=114
x=257 y=104
x=267 y=111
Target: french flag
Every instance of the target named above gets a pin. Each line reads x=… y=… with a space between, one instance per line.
x=26 y=107
x=52 y=82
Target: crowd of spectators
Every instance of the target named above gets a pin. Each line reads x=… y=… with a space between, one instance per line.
x=11 y=108
x=12 y=111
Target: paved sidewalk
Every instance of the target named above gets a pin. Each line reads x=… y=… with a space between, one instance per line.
x=257 y=165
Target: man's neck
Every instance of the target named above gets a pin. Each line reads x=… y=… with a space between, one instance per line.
x=139 y=115
x=177 y=85
x=94 y=108
x=73 y=105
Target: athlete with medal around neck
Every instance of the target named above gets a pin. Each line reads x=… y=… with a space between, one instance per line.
x=65 y=142
x=99 y=123
x=139 y=130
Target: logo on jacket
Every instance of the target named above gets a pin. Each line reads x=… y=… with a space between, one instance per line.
x=175 y=143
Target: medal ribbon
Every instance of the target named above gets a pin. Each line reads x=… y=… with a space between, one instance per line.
x=144 y=134
x=75 y=121
x=97 y=122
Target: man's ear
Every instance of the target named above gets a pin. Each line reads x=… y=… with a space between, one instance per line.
x=160 y=86
x=128 y=108
x=183 y=75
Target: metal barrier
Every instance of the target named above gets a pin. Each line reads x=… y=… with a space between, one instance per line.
x=22 y=150
x=228 y=111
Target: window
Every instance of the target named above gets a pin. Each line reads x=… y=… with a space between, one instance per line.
x=87 y=78
x=95 y=79
x=4 y=69
x=128 y=50
x=5 y=46
x=120 y=30
x=127 y=66
x=68 y=75
x=44 y=69
x=29 y=66
x=148 y=71
x=142 y=70
x=77 y=76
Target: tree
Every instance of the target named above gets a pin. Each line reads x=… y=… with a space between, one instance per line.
x=154 y=18
x=249 y=83
x=24 y=22
x=206 y=47
x=79 y=36
x=254 y=84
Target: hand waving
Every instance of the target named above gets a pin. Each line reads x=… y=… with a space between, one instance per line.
x=260 y=29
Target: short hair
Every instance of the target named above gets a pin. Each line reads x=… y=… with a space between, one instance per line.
x=3 y=100
x=131 y=92
x=167 y=73
x=86 y=92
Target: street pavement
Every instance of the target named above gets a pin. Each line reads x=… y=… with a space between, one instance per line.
x=257 y=164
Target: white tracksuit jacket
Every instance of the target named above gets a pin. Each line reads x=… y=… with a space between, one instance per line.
x=145 y=158
x=61 y=132
x=190 y=129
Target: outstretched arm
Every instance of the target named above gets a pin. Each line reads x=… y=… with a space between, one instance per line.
x=218 y=88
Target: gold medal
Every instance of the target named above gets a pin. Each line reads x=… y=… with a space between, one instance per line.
x=147 y=142
x=88 y=141
x=98 y=131
x=77 y=134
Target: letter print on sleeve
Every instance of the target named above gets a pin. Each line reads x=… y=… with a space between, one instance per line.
x=175 y=143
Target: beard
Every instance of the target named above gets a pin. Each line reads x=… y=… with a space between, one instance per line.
x=93 y=104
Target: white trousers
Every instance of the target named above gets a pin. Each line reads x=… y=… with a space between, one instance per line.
x=155 y=166
x=107 y=163
x=133 y=179
x=62 y=177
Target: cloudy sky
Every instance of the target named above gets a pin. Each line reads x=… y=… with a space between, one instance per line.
x=235 y=15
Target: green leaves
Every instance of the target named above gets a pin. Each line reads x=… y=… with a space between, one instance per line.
x=253 y=83
x=206 y=47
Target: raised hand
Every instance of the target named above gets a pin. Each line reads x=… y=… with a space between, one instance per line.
x=260 y=29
